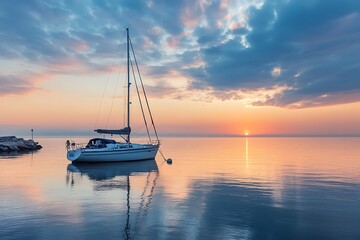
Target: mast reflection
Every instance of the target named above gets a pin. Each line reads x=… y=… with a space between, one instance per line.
x=108 y=176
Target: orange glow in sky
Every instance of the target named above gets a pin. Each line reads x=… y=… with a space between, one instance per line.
x=69 y=108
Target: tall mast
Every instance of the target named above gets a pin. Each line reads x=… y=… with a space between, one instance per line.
x=128 y=85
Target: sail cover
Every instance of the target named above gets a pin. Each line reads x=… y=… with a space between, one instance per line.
x=124 y=131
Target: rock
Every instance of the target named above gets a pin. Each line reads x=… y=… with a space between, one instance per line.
x=8 y=139
x=12 y=143
x=4 y=149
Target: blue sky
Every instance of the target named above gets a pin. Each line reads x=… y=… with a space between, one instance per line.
x=308 y=50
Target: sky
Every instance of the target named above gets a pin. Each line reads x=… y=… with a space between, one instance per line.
x=210 y=67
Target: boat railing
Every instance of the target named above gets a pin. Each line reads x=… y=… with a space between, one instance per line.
x=70 y=145
x=155 y=142
x=73 y=146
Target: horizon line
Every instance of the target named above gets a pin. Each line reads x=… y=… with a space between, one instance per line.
x=84 y=133
x=171 y=135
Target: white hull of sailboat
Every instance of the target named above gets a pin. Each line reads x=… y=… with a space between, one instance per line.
x=147 y=152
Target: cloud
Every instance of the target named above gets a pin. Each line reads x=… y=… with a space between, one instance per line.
x=310 y=49
x=10 y=84
x=309 y=46
x=40 y=32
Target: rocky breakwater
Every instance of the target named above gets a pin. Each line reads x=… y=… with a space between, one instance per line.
x=14 y=144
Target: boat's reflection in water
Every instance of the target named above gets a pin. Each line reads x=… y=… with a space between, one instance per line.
x=109 y=176
x=103 y=171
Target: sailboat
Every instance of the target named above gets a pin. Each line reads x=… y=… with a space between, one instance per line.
x=109 y=150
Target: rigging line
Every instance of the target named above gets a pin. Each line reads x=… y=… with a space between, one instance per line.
x=121 y=68
x=162 y=154
x=142 y=85
x=113 y=100
x=102 y=98
x=107 y=81
x=125 y=82
x=115 y=91
x=138 y=133
x=124 y=87
x=124 y=102
x=141 y=105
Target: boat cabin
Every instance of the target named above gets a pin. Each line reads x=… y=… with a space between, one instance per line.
x=99 y=143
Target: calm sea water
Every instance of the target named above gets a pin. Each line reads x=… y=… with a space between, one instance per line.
x=216 y=188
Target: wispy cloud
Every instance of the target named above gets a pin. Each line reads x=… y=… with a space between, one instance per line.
x=14 y=84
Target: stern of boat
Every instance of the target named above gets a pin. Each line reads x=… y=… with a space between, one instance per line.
x=72 y=155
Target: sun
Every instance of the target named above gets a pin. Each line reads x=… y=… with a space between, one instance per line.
x=246 y=133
